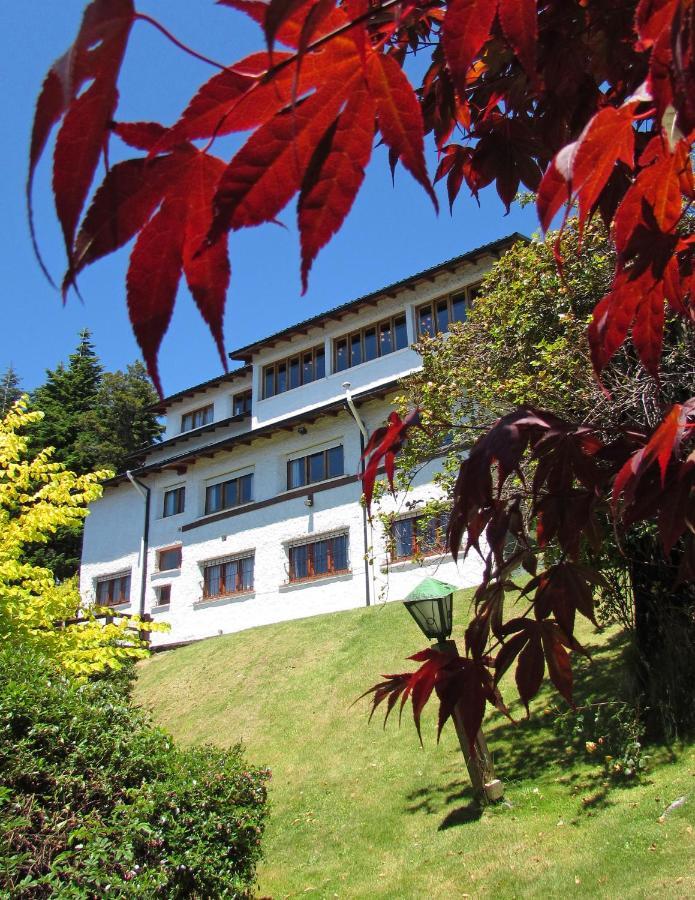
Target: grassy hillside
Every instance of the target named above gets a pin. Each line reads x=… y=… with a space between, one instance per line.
x=361 y=812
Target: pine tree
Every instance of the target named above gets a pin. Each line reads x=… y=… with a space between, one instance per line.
x=93 y=419
x=67 y=397
x=120 y=422
x=10 y=390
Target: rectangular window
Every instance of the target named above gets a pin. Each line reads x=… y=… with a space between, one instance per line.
x=370 y=342
x=241 y=403
x=174 y=501
x=319 y=558
x=315 y=467
x=168 y=558
x=235 y=576
x=197 y=418
x=163 y=595
x=436 y=316
x=113 y=590
x=418 y=536
x=287 y=374
x=226 y=494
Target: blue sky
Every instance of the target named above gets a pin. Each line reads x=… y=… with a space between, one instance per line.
x=390 y=233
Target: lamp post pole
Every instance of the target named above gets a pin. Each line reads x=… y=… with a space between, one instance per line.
x=430 y=604
x=481 y=771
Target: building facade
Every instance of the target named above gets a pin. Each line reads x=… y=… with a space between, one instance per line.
x=248 y=511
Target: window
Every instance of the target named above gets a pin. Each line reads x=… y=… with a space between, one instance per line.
x=169 y=558
x=233 y=576
x=294 y=371
x=369 y=343
x=315 y=467
x=319 y=558
x=197 y=418
x=418 y=535
x=436 y=316
x=226 y=494
x=174 y=501
x=241 y=403
x=113 y=589
x=163 y=595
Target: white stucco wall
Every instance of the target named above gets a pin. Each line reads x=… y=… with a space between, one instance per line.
x=114 y=528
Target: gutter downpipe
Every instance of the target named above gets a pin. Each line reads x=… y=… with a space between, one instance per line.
x=145 y=493
x=363 y=438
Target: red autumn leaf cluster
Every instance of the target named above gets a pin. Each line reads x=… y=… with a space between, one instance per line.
x=586 y=102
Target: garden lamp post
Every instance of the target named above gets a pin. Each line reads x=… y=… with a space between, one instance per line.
x=431 y=604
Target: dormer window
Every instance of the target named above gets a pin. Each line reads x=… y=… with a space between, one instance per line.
x=197 y=418
x=286 y=374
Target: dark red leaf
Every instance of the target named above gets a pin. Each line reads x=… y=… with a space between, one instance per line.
x=267 y=171
x=126 y=199
x=383 y=443
x=466 y=29
x=399 y=116
x=141 y=135
x=334 y=176
x=93 y=61
x=207 y=272
x=153 y=279
x=608 y=138
x=558 y=660
x=555 y=188
x=519 y=20
x=529 y=670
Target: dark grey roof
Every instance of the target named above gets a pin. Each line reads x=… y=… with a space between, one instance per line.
x=187 y=435
x=165 y=402
x=245 y=353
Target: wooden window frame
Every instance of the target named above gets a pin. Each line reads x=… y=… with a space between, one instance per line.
x=223 y=484
x=169 y=549
x=179 y=503
x=376 y=326
x=416 y=538
x=246 y=398
x=208 y=408
x=317 y=351
x=305 y=460
x=163 y=590
x=312 y=575
x=238 y=586
x=470 y=291
x=111 y=580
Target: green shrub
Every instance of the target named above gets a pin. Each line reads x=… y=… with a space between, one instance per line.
x=95 y=800
x=609 y=733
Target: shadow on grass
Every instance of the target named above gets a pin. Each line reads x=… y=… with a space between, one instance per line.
x=434 y=799
x=528 y=749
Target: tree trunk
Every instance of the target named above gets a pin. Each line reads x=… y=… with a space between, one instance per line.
x=664 y=638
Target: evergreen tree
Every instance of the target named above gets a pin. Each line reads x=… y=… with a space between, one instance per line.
x=67 y=397
x=120 y=422
x=10 y=390
x=93 y=419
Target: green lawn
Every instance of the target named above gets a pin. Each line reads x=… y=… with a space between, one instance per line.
x=357 y=811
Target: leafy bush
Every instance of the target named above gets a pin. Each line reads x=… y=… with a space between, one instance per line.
x=94 y=799
x=609 y=733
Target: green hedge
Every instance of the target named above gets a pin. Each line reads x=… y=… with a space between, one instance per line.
x=95 y=800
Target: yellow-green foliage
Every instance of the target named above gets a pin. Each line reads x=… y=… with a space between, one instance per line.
x=38 y=496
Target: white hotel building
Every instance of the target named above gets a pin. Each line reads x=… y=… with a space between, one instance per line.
x=248 y=511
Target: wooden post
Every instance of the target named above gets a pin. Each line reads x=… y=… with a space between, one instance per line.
x=481 y=771
x=145 y=635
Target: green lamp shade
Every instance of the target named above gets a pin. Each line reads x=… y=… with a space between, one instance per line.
x=430 y=604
